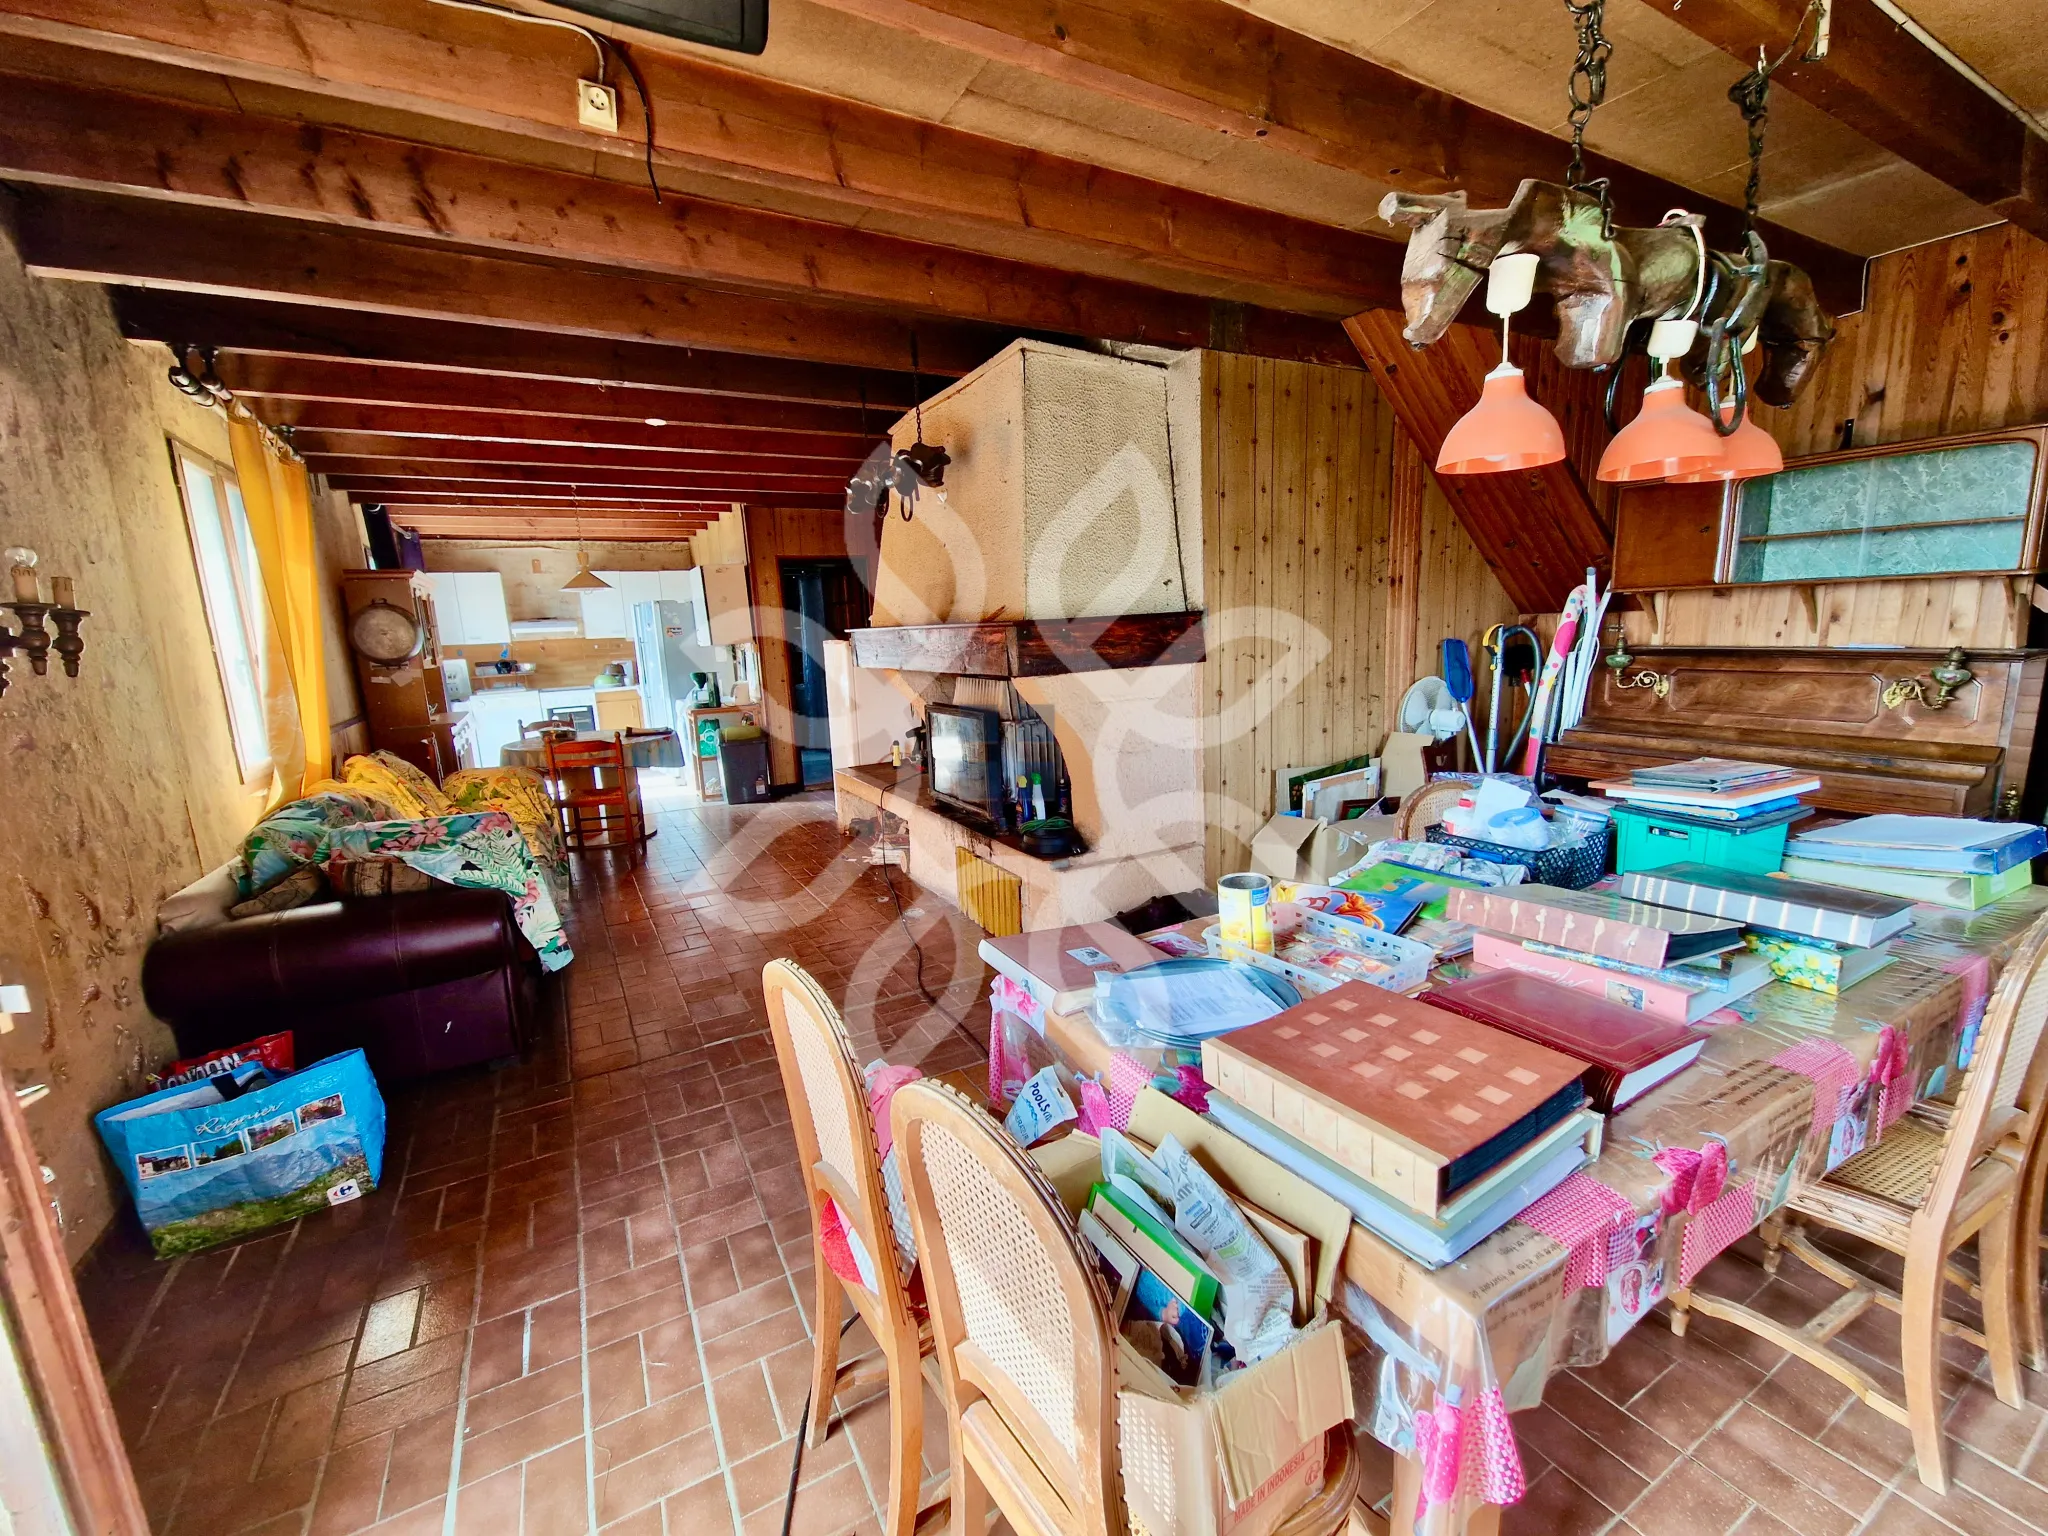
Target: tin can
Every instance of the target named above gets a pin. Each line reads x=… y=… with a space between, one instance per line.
x=1244 y=907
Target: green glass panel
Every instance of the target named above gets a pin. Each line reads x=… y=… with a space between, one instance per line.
x=1867 y=517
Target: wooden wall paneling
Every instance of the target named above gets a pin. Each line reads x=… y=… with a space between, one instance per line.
x=1970 y=611
x=775 y=534
x=1408 y=486
x=1324 y=690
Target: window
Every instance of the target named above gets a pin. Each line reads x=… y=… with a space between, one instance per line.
x=232 y=586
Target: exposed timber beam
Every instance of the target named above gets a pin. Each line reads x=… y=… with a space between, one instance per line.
x=767 y=138
x=108 y=141
x=594 y=503
x=303 y=332
x=87 y=236
x=672 y=439
x=1216 y=65
x=385 y=474
x=325 y=447
x=293 y=385
x=525 y=530
x=1892 y=88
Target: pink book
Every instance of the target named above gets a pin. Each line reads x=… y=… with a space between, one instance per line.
x=1594 y=923
x=1666 y=1000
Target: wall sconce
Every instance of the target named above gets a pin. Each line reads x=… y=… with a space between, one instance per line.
x=34 y=639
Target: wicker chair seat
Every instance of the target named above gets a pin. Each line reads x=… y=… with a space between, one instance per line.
x=1875 y=1193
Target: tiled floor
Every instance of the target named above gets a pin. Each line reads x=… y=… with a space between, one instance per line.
x=579 y=1301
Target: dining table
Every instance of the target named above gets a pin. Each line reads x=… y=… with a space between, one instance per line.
x=1791 y=1083
x=643 y=749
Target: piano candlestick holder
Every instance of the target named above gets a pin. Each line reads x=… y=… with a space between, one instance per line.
x=33 y=639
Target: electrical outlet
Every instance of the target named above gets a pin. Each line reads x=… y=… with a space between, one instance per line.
x=597 y=106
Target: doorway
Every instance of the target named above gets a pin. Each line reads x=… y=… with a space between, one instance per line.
x=821 y=600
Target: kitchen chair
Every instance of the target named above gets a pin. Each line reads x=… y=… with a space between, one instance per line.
x=615 y=803
x=1921 y=1191
x=842 y=1168
x=1021 y=1330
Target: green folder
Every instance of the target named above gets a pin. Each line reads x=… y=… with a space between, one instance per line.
x=1159 y=1248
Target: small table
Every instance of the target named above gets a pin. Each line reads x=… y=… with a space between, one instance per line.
x=705 y=724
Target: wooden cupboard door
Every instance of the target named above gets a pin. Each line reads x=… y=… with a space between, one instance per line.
x=1669 y=536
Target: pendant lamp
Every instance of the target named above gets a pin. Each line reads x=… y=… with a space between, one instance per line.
x=1668 y=437
x=585 y=579
x=1506 y=430
x=1746 y=454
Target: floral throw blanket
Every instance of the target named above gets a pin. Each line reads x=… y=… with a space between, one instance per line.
x=483 y=850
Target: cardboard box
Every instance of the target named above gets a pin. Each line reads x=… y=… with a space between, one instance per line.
x=1302 y=848
x=1239 y=1460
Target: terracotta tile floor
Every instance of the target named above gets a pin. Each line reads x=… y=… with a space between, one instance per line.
x=578 y=1303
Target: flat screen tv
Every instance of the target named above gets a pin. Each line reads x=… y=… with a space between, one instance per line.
x=966 y=747
x=740 y=25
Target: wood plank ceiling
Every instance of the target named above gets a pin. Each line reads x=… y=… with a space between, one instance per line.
x=384 y=226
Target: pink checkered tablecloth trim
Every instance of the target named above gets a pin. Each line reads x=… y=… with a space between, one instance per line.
x=1492 y=1463
x=1127 y=1077
x=1714 y=1226
x=1976 y=973
x=1583 y=1214
x=1893 y=1074
x=1833 y=1073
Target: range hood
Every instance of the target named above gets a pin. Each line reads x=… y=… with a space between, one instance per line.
x=546 y=629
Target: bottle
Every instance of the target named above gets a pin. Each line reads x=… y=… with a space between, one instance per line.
x=896 y=754
x=1037 y=798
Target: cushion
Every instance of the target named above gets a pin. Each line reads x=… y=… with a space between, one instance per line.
x=378 y=877
x=409 y=791
x=385 y=810
x=521 y=794
x=301 y=886
x=203 y=902
x=293 y=834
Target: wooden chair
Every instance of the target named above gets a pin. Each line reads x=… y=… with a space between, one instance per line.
x=1921 y=1191
x=626 y=826
x=836 y=1147
x=1021 y=1329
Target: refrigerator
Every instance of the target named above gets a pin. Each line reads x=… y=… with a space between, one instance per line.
x=666 y=650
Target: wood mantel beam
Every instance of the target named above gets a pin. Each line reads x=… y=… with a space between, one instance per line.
x=108 y=141
x=1216 y=65
x=768 y=138
x=1897 y=92
x=232 y=254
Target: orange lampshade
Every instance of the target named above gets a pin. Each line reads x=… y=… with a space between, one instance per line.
x=1506 y=430
x=1746 y=453
x=1667 y=438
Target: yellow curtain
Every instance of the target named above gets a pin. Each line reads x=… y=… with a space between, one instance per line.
x=278 y=499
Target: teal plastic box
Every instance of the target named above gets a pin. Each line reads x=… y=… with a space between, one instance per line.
x=1646 y=840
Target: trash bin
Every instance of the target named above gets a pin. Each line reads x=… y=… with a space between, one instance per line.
x=743 y=765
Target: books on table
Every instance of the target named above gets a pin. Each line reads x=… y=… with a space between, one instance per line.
x=1805 y=908
x=1478 y=1213
x=1596 y=922
x=1950 y=845
x=1814 y=964
x=1965 y=892
x=1630 y=1051
x=1419 y=1102
x=1749 y=796
x=1059 y=966
x=1668 y=994
x=1712 y=774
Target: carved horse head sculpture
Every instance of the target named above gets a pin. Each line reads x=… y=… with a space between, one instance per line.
x=1605 y=281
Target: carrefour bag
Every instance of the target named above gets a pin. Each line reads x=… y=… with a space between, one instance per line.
x=205 y=1168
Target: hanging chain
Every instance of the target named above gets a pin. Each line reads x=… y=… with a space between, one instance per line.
x=1752 y=97
x=1587 y=86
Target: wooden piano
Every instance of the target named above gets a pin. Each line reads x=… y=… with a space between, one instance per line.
x=1867 y=721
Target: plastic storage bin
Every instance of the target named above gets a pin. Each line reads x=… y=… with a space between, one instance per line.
x=1647 y=840
x=1572 y=866
x=743 y=769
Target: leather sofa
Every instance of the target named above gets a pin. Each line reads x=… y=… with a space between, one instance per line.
x=422 y=981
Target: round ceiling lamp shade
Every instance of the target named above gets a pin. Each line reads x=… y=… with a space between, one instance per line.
x=1505 y=431
x=1667 y=438
x=1747 y=453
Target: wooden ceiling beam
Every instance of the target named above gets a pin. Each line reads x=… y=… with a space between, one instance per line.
x=1215 y=65
x=109 y=141
x=594 y=503
x=320 y=448
x=531 y=530
x=97 y=238
x=731 y=486
x=1897 y=92
x=427 y=426
x=455 y=349
x=766 y=137
x=294 y=385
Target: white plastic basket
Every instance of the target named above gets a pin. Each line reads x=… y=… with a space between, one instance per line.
x=1409 y=960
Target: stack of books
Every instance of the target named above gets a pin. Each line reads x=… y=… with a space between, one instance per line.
x=1434 y=1130
x=1670 y=965
x=1719 y=791
x=1825 y=937
x=1947 y=860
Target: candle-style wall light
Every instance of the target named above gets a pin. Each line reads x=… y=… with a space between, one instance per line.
x=34 y=639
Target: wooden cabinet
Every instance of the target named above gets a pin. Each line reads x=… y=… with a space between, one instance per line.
x=619 y=709
x=1864 y=720
x=728 y=605
x=469 y=608
x=604 y=615
x=1953 y=506
x=406 y=705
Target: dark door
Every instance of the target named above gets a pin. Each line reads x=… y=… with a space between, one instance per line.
x=823 y=599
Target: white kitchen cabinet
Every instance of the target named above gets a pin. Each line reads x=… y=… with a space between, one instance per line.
x=682 y=586
x=447 y=608
x=497 y=715
x=635 y=588
x=604 y=614
x=469 y=608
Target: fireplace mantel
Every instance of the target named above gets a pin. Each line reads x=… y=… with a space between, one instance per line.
x=1034 y=647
